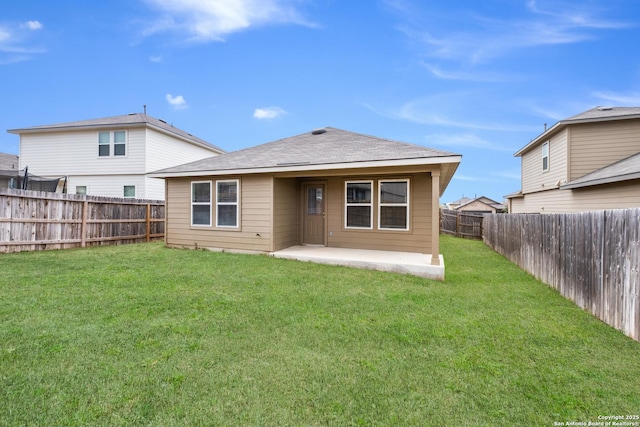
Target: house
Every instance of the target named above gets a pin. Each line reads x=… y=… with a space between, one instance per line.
x=479 y=205
x=328 y=187
x=454 y=205
x=9 y=170
x=590 y=161
x=109 y=156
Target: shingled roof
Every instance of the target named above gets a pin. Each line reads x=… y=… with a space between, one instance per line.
x=9 y=162
x=623 y=170
x=321 y=147
x=319 y=150
x=127 y=120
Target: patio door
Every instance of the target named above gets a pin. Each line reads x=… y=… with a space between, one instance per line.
x=313 y=221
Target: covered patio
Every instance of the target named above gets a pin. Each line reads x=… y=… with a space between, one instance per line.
x=397 y=262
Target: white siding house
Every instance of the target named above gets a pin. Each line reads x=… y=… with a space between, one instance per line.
x=111 y=156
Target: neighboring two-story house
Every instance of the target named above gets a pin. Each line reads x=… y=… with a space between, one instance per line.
x=110 y=156
x=590 y=161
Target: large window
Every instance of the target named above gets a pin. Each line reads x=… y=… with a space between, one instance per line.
x=393 y=204
x=201 y=203
x=358 y=204
x=227 y=203
x=545 y=156
x=112 y=142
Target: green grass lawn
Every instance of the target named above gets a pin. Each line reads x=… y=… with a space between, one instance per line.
x=145 y=335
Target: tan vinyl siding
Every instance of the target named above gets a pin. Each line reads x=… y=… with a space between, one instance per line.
x=417 y=239
x=286 y=213
x=533 y=177
x=254 y=233
x=611 y=196
x=477 y=206
x=596 y=145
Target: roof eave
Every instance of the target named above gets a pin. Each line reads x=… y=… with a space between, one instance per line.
x=314 y=167
x=600 y=181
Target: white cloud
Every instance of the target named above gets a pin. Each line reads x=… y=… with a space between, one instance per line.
x=464 y=140
x=212 y=20
x=156 y=59
x=619 y=99
x=33 y=25
x=474 y=39
x=15 y=43
x=268 y=113
x=178 y=102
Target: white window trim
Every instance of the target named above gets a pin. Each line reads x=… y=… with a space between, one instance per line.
x=135 y=191
x=545 y=145
x=210 y=204
x=370 y=204
x=236 y=203
x=112 y=144
x=86 y=187
x=381 y=205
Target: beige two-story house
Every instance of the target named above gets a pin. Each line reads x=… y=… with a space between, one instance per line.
x=590 y=161
x=110 y=156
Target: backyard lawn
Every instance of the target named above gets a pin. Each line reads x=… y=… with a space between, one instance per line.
x=145 y=335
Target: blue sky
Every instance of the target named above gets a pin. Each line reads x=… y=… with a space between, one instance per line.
x=477 y=78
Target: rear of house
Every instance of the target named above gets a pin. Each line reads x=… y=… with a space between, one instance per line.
x=328 y=187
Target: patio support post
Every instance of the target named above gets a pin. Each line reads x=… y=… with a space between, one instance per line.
x=435 y=217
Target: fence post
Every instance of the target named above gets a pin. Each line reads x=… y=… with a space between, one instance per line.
x=148 y=239
x=83 y=227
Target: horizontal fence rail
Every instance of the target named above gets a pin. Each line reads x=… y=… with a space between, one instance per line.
x=461 y=223
x=34 y=220
x=591 y=258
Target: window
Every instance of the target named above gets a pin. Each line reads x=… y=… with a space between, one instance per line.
x=104 y=144
x=545 y=156
x=227 y=203
x=81 y=189
x=358 y=204
x=201 y=203
x=129 y=191
x=393 y=213
x=119 y=143
x=106 y=139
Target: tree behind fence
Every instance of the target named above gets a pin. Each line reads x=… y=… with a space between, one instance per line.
x=592 y=258
x=33 y=220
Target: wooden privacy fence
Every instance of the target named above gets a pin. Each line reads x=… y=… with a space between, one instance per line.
x=34 y=220
x=592 y=258
x=461 y=224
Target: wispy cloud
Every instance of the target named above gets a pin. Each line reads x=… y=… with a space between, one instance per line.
x=468 y=139
x=475 y=39
x=619 y=99
x=15 y=41
x=155 y=59
x=178 y=102
x=204 y=20
x=268 y=113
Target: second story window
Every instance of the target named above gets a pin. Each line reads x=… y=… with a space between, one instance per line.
x=545 y=156
x=112 y=143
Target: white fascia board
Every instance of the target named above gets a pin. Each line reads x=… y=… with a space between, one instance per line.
x=315 y=167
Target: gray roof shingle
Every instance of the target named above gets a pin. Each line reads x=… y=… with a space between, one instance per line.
x=326 y=146
x=124 y=120
x=8 y=162
x=623 y=170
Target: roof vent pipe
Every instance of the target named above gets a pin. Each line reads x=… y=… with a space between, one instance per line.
x=318 y=131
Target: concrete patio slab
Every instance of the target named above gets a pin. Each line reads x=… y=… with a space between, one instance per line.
x=396 y=262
